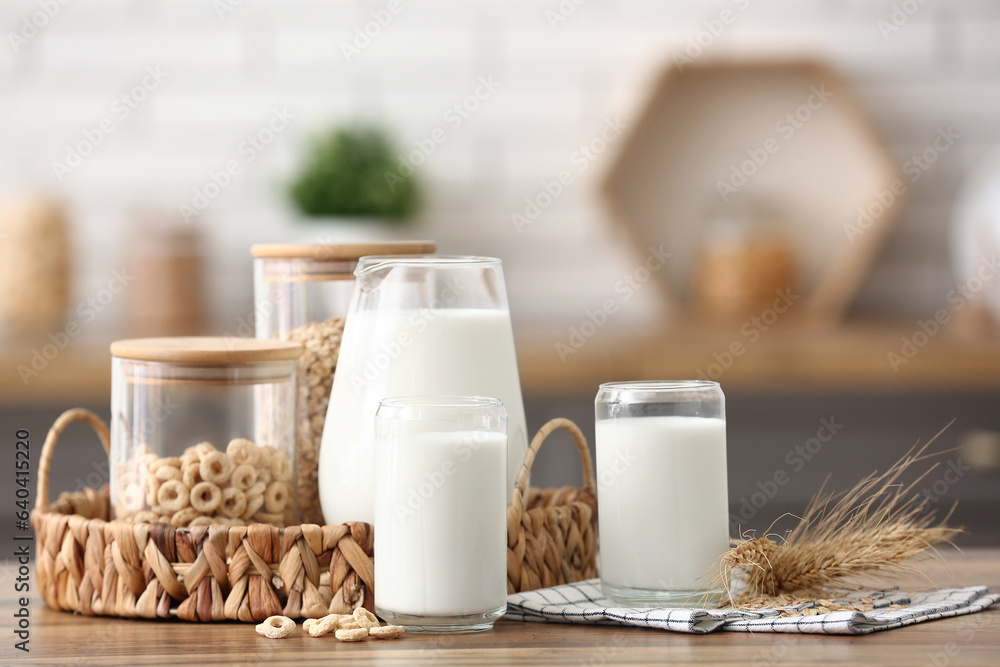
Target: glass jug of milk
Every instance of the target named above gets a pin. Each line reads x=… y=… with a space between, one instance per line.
x=416 y=326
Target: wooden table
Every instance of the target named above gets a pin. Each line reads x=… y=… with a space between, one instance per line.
x=62 y=638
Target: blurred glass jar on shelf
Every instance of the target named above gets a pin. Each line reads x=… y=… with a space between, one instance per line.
x=35 y=264
x=166 y=264
x=975 y=302
x=744 y=261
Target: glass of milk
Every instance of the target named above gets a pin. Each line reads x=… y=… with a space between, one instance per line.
x=441 y=512
x=662 y=491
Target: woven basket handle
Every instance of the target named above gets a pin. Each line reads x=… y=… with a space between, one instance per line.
x=517 y=499
x=45 y=462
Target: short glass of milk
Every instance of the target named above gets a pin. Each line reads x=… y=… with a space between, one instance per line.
x=441 y=512
x=662 y=493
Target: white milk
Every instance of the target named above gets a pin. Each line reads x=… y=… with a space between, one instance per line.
x=663 y=501
x=441 y=512
x=446 y=352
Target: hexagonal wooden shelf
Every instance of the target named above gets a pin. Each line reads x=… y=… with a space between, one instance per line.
x=825 y=164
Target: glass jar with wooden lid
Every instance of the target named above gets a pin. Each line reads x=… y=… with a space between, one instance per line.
x=301 y=294
x=203 y=431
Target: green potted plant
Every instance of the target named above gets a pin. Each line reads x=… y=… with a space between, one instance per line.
x=351 y=174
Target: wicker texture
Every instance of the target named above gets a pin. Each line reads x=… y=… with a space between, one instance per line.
x=90 y=564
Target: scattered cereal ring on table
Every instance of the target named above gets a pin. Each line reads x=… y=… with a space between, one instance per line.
x=276 y=627
x=387 y=632
x=321 y=626
x=355 y=635
x=365 y=618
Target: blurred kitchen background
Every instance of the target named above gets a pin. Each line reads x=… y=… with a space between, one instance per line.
x=655 y=174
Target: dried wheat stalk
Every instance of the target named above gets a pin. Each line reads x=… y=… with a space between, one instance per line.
x=841 y=541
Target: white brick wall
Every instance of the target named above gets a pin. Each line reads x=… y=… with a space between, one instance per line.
x=558 y=86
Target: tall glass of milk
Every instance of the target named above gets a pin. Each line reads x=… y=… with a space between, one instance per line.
x=416 y=326
x=441 y=512
x=662 y=491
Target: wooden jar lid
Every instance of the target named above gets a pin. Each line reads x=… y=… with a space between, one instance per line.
x=207 y=350
x=328 y=252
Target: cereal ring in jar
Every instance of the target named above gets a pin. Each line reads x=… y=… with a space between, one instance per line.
x=205 y=497
x=235 y=523
x=184 y=517
x=127 y=476
x=165 y=473
x=145 y=516
x=264 y=455
x=242 y=451
x=173 y=496
x=254 y=503
x=276 y=627
x=191 y=474
x=201 y=521
x=356 y=635
x=204 y=448
x=132 y=497
x=281 y=467
x=166 y=461
x=233 y=503
x=272 y=518
x=150 y=487
x=365 y=619
x=387 y=632
x=243 y=477
x=276 y=497
x=216 y=468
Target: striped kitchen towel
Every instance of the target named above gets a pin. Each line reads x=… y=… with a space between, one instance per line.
x=584 y=603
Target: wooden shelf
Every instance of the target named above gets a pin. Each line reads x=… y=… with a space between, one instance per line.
x=850 y=358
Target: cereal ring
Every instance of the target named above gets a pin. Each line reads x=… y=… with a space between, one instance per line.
x=264 y=475
x=150 y=487
x=243 y=477
x=233 y=502
x=166 y=461
x=234 y=522
x=145 y=516
x=387 y=632
x=173 y=495
x=183 y=517
x=165 y=473
x=132 y=497
x=203 y=449
x=276 y=497
x=127 y=476
x=365 y=619
x=254 y=503
x=164 y=518
x=273 y=518
x=257 y=489
x=216 y=468
x=265 y=453
x=276 y=627
x=281 y=467
x=201 y=521
x=191 y=474
x=242 y=451
x=205 y=497
x=349 y=623
x=356 y=635
x=321 y=626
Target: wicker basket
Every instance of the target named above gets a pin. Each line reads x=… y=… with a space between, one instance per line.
x=92 y=565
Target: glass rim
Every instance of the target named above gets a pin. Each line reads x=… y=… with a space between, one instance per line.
x=441 y=402
x=660 y=385
x=423 y=260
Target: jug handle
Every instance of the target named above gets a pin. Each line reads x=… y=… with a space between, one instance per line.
x=516 y=508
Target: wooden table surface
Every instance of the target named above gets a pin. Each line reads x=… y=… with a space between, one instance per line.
x=61 y=638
